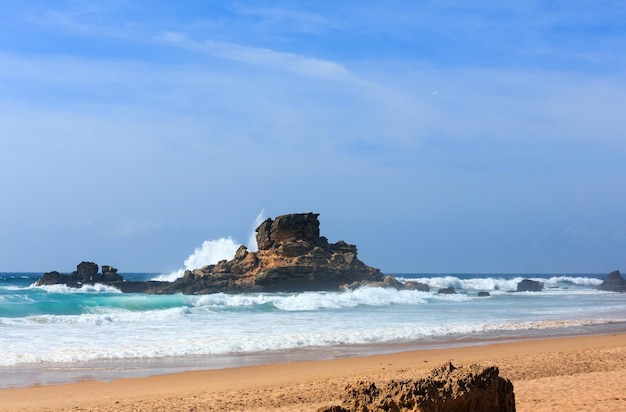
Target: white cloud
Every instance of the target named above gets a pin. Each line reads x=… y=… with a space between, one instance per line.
x=263 y=57
x=281 y=61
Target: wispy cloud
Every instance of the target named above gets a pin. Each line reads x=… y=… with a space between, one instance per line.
x=262 y=57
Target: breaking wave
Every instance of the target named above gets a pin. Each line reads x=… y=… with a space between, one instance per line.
x=212 y=251
x=505 y=284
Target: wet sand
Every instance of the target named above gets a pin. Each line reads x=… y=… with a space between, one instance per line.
x=562 y=374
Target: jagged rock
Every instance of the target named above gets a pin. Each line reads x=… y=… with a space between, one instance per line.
x=446 y=291
x=86 y=270
x=528 y=285
x=86 y=273
x=466 y=389
x=302 y=226
x=292 y=257
x=614 y=283
x=51 y=278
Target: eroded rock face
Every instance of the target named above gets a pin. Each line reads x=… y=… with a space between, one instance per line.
x=614 y=283
x=292 y=257
x=297 y=226
x=466 y=389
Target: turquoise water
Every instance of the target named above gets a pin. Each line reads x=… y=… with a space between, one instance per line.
x=60 y=327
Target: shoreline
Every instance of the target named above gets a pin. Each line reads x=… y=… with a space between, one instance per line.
x=52 y=374
x=567 y=362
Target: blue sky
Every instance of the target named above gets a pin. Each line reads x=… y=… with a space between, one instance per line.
x=436 y=136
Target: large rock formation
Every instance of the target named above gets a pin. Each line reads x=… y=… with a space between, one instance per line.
x=466 y=389
x=614 y=283
x=292 y=257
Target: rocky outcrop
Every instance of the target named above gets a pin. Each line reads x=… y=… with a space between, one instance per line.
x=446 y=291
x=528 y=285
x=613 y=283
x=292 y=257
x=466 y=389
x=86 y=273
x=412 y=285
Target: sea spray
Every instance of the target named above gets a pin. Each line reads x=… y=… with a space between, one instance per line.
x=252 y=245
x=212 y=251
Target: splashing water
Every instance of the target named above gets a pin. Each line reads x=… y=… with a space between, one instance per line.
x=212 y=251
x=252 y=245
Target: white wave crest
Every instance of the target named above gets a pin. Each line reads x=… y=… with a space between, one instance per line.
x=114 y=343
x=502 y=284
x=307 y=301
x=582 y=281
x=486 y=284
x=226 y=300
x=97 y=288
x=364 y=296
x=101 y=315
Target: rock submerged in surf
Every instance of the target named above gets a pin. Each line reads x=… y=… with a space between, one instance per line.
x=86 y=273
x=292 y=257
x=613 y=283
x=529 y=285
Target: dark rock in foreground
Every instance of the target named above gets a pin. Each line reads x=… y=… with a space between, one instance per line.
x=466 y=389
x=292 y=257
x=614 y=283
x=528 y=285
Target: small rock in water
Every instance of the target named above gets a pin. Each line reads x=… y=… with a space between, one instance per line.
x=528 y=285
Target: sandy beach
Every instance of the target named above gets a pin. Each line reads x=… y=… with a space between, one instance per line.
x=563 y=374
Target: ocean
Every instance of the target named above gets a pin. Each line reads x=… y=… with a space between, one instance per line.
x=56 y=334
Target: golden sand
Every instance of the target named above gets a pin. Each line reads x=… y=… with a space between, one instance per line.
x=586 y=373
